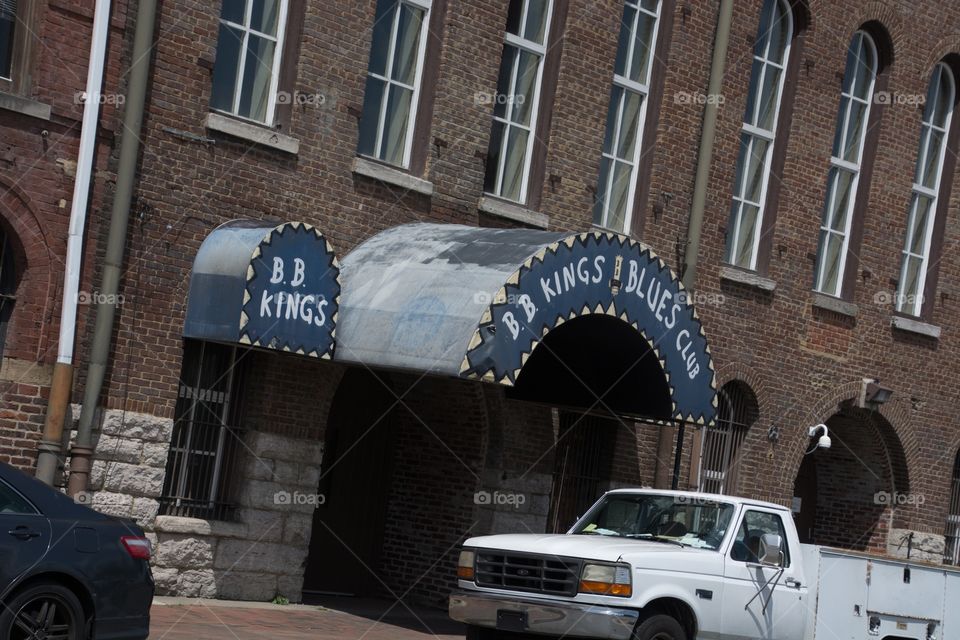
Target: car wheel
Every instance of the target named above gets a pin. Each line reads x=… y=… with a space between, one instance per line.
x=43 y=610
x=659 y=627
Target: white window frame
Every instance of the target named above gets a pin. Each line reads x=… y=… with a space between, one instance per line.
x=389 y=81
x=753 y=132
x=842 y=165
x=627 y=85
x=540 y=50
x=241 y=63
x=912 y=304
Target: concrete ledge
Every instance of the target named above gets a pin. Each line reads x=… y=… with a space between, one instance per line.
x=915 y=326
x=510 y=211
x=26 y=106
x=254 y=133
x=197 y=526
x=391 y=176
x=749 y=278
x=836 y=305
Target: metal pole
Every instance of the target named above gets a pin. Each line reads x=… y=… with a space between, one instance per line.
x=705 y=155
x=82 y=451
x=48 y=455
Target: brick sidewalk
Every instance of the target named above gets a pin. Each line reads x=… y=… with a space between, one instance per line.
x=181 y=619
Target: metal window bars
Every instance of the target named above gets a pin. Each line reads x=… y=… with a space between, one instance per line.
x=951 y=553
x=721 y=442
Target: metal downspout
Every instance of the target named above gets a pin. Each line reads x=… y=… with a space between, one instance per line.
x=49 y=448
x=82 y=451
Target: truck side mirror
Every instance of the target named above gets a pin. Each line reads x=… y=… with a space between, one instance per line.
x=771 y=549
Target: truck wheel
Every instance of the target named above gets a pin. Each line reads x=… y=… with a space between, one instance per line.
x=659 y=627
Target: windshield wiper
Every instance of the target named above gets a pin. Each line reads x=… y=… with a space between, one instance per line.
x=650 y=536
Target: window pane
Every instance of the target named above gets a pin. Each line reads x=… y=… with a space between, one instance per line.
x=264 y=15
x=931 y=162
x=864 y=69
x=619 y=195
x=493 y=157
x=756 y=164
x=504 y=87
x=752 y=95
x=408 y=44
x=779 y=32
x=838 y=130
x=832 y=246
x=395 y=125
x=514 y=15
x=623 y=44
x=842 y=197
x=382 y=28
x=536 y=26
x=855 y=127
x=233 y=10
x=908 y=298
x=8 y=21
x=370 y=119
x=603 y=192
x=944 y=102
x=258 y=70
x=525 y=84
x=918 y=233
x=629 y=125
x=616 y=97
x=640 y=64
x=769 y=98
x=514 y=163
x=743 y=253
x=229 y=42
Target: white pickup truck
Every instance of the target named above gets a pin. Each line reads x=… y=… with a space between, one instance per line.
x=645 y=564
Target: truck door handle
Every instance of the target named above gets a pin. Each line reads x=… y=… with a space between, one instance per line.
x=23 y=533
x=792 y=582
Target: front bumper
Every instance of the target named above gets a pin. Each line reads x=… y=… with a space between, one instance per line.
x=548 y=617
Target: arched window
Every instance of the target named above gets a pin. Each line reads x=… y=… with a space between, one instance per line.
x=737 y=410
x=626 y=116
x=915 y=270
x=771 y=54
x=843 y=180
x=952 y=549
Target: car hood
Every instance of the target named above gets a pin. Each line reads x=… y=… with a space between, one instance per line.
x=608 y=549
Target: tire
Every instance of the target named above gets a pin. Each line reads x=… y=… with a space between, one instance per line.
x=43 y=605
x=659 y=627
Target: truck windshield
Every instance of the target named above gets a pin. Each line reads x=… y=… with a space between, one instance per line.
x=676 y=519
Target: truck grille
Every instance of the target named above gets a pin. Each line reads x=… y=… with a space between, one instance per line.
x=527 y=572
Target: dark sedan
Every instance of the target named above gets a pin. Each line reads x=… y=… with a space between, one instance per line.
x=66 y=571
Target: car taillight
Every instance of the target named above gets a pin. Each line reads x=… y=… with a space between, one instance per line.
x=136 y=546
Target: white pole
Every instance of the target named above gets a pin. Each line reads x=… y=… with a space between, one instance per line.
x=81 y=187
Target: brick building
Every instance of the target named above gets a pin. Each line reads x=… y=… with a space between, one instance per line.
x=825 y=261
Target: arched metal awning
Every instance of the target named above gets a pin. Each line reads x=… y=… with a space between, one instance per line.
x=478 y=302
x=265 y=285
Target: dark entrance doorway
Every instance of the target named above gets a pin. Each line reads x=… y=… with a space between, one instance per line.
x=585 y=453
x=805 y=499
x=347 y=536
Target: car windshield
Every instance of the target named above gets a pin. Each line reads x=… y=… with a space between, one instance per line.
x=672 y=519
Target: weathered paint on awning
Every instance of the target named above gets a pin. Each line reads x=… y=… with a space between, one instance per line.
x=265 y=285
x=476 y=302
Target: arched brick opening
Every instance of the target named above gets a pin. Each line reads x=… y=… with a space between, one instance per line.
x=846 y=496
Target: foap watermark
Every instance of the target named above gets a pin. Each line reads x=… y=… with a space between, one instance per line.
x=298 y=498
x=897 y=98
x=897 y=499
x=482 y=98
x=701 y=298
x=81 y=97
x=698 y=98
x=95 y=297
x=497 y=498
x=302 y=98
x=887 y=298
x=83 y=497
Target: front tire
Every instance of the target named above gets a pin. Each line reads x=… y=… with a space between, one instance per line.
x=659 y=627
x=44 y=609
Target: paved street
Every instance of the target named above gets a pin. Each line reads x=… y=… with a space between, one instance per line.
x=341 y=619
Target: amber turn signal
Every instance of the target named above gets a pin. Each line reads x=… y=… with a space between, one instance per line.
x=605 y=588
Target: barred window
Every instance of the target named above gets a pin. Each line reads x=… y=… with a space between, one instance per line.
x=207 y=434
x=845 y=164
x=517 y=101
x=927 y=182
x=623 y=140
x=247 y=68
x=394 y=78
x=719 y=459
x=771 y=54
x=952 y=550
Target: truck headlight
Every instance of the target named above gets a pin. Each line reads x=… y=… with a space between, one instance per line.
x=465 y=565
x=606 y=579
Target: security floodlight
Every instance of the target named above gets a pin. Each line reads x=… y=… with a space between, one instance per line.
x=824 y=441
x=873 y=394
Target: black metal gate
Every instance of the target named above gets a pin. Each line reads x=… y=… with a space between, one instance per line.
x=582 y=469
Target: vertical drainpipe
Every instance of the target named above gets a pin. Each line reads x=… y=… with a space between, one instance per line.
x=702 y=178
x=48 y=455
x=82 y=451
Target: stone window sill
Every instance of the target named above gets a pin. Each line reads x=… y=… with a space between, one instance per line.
x=26 y=106
x=198 y=526
x=835 y=305
x=391 y=176
x=919 y=327
x=511 y=211
x=748 y=278
x=254 y=133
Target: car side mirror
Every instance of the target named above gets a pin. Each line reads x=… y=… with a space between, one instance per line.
x=771 y=550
